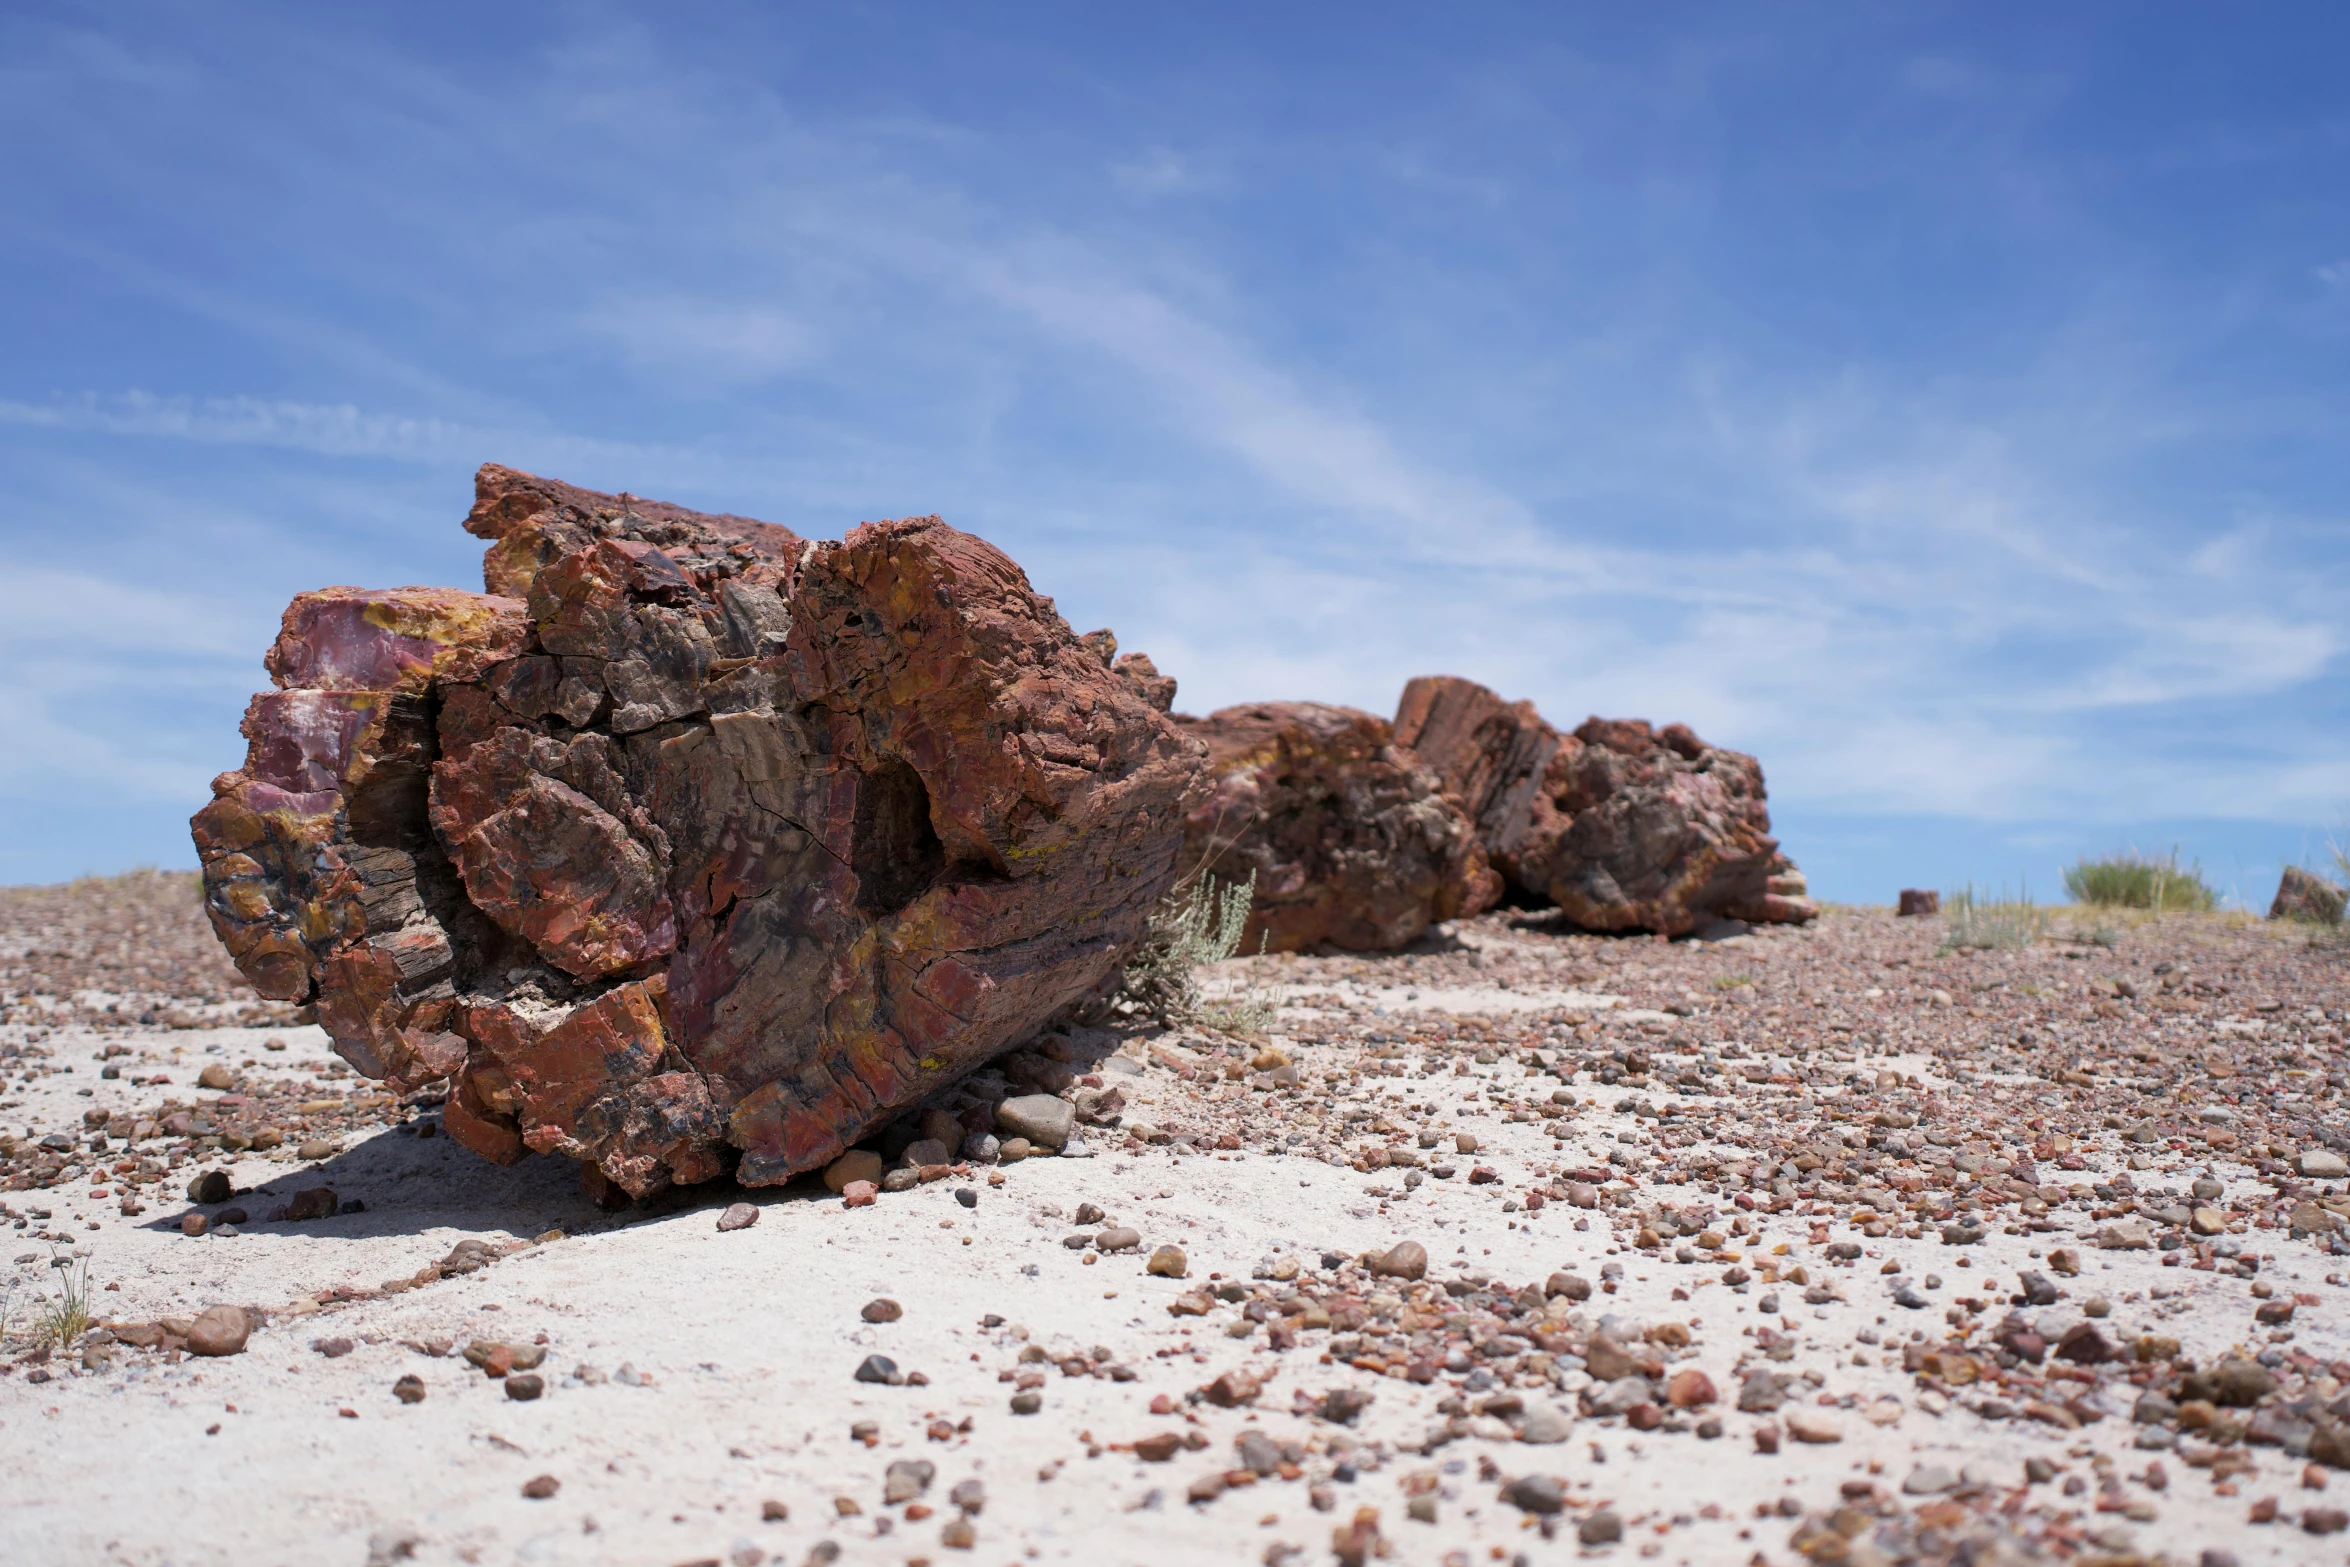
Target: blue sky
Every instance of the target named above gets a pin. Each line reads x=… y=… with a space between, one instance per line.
x=1946 y=404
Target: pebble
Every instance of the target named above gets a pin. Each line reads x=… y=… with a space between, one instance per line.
x=738 y=1216
x=1540 y=1494
x=216 y=1077
x=1812 y=1425
x=1544 y=1425
x=1404 y=1260
x=523 y=1386
x=882 y=1309
x=859 y=1194
x=1929 y=1480
x=194 y=1224
x=409 y=1389
x=1690 y=1388
x=540 y=1487
x=1572 y=1286
x=2323 y=1164
x=318 y=1202
x=210 y=1187
x=1013 y=1149
x=881 y=1369
x=1168 y=1262
x=901 y=1180
x=1117 y=1238
x=1045 y=1120
x=1601 y=1528
x=858 y=1164
x=1027 y=1403
x=318 y=1148
x=1158 y=1448
x=221 y=1330
x=967 y=1196
x=924 y=1152
x=906 y=1479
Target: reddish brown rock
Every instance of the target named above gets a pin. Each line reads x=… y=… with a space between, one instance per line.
x=1490 y=755
x=691 y=837
x=1919 y=903
x=1623 y=826
x=2302 y=895
x=1351 y=840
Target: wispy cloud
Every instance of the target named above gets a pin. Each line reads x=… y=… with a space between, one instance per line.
x=1604 y=376
x=335 y=431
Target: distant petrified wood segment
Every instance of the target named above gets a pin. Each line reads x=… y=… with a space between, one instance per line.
x=691 y=836
x=2304 y=895
x=1489 y=754
x=1351 y=840
x=1623 y=826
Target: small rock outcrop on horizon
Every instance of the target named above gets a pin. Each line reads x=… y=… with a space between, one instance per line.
x=691 y=840
x=2305 y=895
x=1621 y=825
x=1351 y=840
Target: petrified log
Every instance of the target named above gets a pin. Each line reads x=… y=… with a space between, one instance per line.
x=1351 y=840
x=690 y=835
x=1623 y=826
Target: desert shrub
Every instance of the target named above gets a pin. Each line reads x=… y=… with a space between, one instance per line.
x=2136 y=881
x=1198 y=923
x=1972 y=922
x=66 y=1318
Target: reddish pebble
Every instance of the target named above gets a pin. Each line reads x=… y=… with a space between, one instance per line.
x=859 y=1194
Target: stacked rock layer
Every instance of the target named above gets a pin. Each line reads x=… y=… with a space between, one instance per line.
x=690 y=838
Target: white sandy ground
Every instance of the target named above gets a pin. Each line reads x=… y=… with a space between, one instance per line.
x=747 y=1342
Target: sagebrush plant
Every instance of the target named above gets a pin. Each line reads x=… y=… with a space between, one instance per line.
x=2138 y=881
x=1199 y=922
x=1972 y=922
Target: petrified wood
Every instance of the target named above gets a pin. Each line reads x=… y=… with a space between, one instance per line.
x=1351 y=840
x=690 y=839
x=1623 y=826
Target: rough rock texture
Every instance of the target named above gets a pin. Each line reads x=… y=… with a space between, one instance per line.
x=1351 y=840
x=1623 y=826
x=1491 y=755
x=690 y=835
x=2302 y=895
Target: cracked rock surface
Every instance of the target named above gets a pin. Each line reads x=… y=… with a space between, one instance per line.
x=690 y=845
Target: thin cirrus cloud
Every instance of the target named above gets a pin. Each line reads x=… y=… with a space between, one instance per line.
x=1596 y=386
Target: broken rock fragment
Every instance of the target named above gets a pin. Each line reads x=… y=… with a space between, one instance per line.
x=1623 y=826
x=691 y=843
x=1351 y=841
